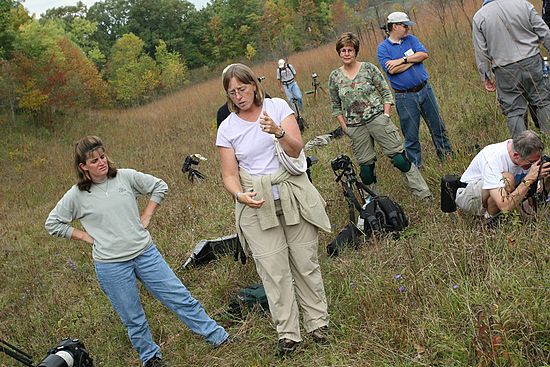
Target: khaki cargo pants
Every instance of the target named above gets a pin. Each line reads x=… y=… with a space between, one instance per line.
x=286 y=261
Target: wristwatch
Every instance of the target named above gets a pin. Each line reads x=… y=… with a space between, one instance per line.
x=527 y=182
x=283 y=132
x=405 y=60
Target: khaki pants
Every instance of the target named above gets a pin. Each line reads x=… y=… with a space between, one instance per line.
x=286 y=261
x=469 y=199
x=383 y=131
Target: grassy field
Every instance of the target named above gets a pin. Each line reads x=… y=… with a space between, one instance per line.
x=449 y=292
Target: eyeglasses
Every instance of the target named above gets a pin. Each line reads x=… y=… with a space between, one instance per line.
x=239 y=90
x=403 y=25
x=531 y=162
x=346 y=50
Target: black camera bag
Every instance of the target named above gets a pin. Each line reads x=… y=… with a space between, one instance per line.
x=449 y=186
x=348 y=236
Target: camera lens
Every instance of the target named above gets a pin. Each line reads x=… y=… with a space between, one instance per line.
x=59 y=359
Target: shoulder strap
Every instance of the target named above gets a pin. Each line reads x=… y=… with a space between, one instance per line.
x=291 y=68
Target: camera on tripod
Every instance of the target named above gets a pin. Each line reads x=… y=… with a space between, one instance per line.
x=342 y=166
x=189 y=164
x=68 y=353
x=315 y=80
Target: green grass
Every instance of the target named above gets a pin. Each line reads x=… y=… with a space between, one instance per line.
x=465 y=285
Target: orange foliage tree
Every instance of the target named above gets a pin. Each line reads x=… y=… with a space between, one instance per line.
x=52 y=74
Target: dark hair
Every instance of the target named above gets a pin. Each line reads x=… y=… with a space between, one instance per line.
x=347 y=39
x=245 y=75
x=526 y=143
x=82 y=151
x=390 y=26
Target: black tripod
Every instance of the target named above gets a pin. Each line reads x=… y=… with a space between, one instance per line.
x=16 y=353
x=299 y=118
x=355 y=192
x=316 y=84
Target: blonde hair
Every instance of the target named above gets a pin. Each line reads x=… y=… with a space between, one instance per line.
x=245 y=75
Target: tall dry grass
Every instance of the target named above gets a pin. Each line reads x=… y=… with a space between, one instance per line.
x=449 y=292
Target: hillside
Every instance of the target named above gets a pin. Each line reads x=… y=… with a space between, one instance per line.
x=448 y=292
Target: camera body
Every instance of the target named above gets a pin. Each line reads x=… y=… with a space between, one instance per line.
x=315 y=80
x=544 y=159
x=69 y=353
x=340 y=163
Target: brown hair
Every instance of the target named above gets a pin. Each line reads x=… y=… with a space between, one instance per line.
x=244 y=75
x=347 y=39
x=82 y=151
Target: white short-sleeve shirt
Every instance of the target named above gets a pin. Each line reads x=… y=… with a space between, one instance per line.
x=254 y=149
x=489 y=164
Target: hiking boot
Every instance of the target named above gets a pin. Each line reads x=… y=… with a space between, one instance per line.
x=286 y=346
x=155 y=362
x=320 y=335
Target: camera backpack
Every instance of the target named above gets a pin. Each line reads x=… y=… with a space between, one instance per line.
x=449 y=186
x=383 y=214
x=377 y=213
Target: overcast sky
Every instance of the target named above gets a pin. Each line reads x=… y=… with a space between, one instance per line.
x=40 y=6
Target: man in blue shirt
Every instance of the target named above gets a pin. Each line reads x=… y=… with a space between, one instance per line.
x=401 y=55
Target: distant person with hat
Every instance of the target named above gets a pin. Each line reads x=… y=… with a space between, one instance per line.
x=402 y=56
x=287 y=82
x=507 y=37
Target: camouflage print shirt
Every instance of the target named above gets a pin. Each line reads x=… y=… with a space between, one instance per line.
x=361 y=99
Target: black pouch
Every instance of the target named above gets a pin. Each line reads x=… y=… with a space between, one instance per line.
x=449 y=185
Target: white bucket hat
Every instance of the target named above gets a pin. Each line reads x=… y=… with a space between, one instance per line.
x=400 y=17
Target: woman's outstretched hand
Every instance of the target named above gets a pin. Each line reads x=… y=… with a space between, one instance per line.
x=247 y=198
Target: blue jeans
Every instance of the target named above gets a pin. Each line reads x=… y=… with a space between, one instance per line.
x=410 y=106
x=292 y=90
x=119 y=282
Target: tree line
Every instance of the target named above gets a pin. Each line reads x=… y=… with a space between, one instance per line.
x=122 y=53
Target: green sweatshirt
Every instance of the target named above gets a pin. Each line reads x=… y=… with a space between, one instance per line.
x=110 y=214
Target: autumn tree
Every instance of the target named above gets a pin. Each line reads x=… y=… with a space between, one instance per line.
x=133 y=75
x=173 y=72
x=52 y=73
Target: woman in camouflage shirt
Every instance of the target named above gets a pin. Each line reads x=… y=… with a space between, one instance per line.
x=361 y=102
